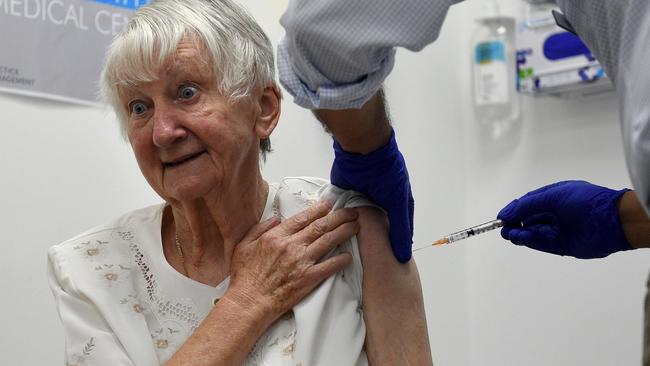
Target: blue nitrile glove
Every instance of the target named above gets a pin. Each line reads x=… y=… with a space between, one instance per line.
x=574 y=218
x=382 y=176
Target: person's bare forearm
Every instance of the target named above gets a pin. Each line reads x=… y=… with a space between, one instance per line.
x=634 y=220
x=359 y=130
x=225 y=336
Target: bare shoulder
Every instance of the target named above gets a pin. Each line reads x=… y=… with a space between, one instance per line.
x=374 y=244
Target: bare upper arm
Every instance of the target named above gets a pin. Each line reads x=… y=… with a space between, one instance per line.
x=393 y=307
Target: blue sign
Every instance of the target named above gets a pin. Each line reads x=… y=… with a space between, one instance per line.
x=127 y=4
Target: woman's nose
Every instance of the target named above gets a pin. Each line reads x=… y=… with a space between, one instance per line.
x=167 y=127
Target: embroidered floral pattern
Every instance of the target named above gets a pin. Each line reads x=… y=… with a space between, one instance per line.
x=132 y=302
x=168 y=339
x=91 y=249
x=112 y=274
x=79 y=359
x=279 y=342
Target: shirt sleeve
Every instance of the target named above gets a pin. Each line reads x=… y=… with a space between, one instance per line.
x=89 y=339
x=634 y=94
x=336 y=53
x=617 y=33
x=350 y=199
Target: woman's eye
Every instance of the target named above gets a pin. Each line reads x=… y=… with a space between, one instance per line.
x=187 y=92
x=137 y=108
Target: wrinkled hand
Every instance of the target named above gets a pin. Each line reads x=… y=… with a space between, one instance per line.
x=574 y=218
x=277 y=264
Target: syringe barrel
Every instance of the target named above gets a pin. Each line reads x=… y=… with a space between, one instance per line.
x=475 y=230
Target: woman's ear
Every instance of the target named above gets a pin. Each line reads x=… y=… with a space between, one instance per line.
x=269 y=102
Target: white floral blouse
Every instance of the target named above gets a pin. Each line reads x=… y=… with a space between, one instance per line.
x=121 y=303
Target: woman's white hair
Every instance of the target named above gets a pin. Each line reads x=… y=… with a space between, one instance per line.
x=241 y=54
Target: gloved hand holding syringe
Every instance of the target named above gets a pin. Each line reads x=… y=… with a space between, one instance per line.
x=573 y=218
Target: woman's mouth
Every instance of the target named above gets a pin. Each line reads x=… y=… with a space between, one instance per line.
x=182 y=160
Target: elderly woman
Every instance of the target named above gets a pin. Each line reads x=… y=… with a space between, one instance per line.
x=229 y=269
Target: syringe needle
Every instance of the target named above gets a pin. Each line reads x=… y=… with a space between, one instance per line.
x=418 y=249
x=436 y=243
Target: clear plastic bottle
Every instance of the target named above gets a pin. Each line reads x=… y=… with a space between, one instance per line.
x=495 y=98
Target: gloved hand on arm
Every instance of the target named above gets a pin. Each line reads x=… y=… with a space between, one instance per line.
x=333 y=59
x=573 y=218
x=382 y=176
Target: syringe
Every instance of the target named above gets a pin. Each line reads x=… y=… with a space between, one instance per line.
x=464 y=234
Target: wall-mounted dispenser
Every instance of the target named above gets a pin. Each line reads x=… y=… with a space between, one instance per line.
x=495 y=99
x=552 y=61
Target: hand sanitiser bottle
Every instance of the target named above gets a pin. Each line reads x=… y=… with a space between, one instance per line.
x=495 y=98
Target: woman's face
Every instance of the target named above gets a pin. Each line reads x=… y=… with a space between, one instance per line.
x=187 y=138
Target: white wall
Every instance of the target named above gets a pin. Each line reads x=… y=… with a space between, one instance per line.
x=66 y=169
x=535 y=309
x=530 y=308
